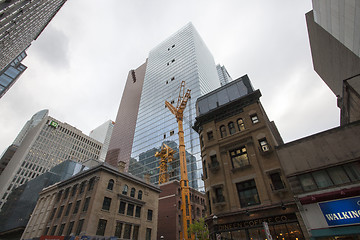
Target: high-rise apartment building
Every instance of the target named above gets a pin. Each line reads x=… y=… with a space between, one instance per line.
x=103 y=135
x=21 y=22
x=43 y=143
x=182 y=57
x=334 y=34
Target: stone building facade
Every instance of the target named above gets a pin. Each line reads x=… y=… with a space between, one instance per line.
x=170 y=213
x=244 y=183
x=324 y=173
x=99 y=202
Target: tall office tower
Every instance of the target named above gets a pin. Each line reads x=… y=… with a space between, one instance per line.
x=103 y=135
x=21 y=22
x=43 y=143
x=182 y=57
x=223 y=74
x=11 y=73
x=123 y=133
x=334 y=34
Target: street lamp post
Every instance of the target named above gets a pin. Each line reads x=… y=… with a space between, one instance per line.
x=215 y=221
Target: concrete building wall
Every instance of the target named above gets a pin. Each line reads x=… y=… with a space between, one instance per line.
x=331 y=59
x=340 y=144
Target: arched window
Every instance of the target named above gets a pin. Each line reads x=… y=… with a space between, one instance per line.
x=91 y=184
x=125 y=190
x=132 y=192
x=232 y=129
x=110 y=184
x=223 y=131
x=241 y=125
x=197 y=211
x=140 y=195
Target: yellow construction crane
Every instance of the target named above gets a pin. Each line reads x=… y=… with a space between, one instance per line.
x=166 y=155
x=184 y=181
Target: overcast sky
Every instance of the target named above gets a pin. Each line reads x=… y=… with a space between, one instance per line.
x=78 y=66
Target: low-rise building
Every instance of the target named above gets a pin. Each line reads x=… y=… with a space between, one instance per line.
x=324 y=173
x=17 y=210
x=170 y=213
x=101 y=201
x=244 y=183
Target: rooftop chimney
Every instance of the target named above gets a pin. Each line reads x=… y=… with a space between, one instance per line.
x=121 y=166
x=147 y=177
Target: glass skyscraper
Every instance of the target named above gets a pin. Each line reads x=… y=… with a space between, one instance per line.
x=182 y=57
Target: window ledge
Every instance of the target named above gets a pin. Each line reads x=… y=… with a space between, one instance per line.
x=241 y=168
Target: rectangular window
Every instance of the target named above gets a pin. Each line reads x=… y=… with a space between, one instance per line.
x=214 y=161
x=86 y=204
x=248 y=194
x=122 y=207
x=148 y=234
x=130 y=209
x=264 y=145
x=106 y=203
x=135 y=234
x=149 y=215
x=210 y=135
x=79 y=227
x=239 y=157
x=60 y=211
x=61 y=229
x=307 y=182
x=101 y=227
x=52 y=214
x=254 y=118
x=127 y=231
x=277 y=183
x=118 y=229
x=219 y=197
x=353 y=171
x=338 y=175
x=70 y=227
x=53 y=230
x=137 y=211
x=322 y=179
x=77 y=206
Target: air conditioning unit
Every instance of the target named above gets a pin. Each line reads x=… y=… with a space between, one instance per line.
x=265 y=148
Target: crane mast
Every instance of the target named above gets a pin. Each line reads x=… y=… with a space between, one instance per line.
x=166 y=155
x=184 y=181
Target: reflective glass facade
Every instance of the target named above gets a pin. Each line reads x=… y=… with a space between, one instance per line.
x=11 y=73
x=182 y=57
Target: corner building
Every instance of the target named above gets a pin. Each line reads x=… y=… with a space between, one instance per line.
x=244 y=183
x=182 y=57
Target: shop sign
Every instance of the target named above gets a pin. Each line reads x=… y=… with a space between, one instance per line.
x=341 y=212
x=255 y=222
